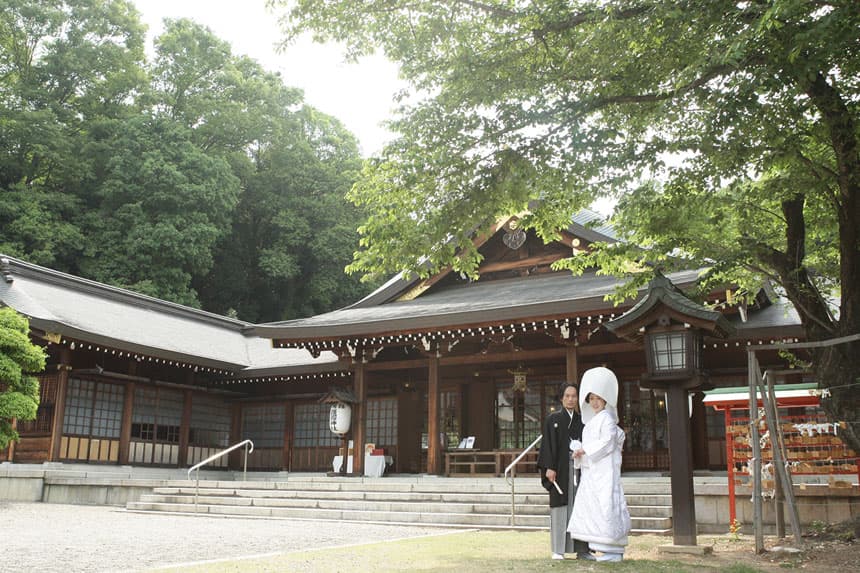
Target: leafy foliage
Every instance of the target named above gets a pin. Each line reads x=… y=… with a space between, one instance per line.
x=19 y=359
x=727 y=131
x=144 y=174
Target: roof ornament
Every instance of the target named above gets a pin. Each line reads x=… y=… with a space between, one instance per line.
x=514 y=236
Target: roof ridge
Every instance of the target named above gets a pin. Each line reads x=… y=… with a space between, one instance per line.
x=10 y=266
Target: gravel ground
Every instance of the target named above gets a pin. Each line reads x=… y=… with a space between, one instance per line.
x=49 y=537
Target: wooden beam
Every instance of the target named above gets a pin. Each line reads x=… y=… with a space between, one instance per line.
x=520 y=263
x=478 y=241
x=615 y=348
x=398 y=364
x=522 y=355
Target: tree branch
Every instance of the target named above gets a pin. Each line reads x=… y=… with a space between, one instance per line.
x=582 y=17
x=494 y=10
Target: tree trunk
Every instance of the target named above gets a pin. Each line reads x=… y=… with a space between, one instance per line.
x=838 y=369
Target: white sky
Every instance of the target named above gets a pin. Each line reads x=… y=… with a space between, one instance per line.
x=359 y=95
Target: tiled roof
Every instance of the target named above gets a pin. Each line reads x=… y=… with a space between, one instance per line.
x=478 y=302
x=89 y=311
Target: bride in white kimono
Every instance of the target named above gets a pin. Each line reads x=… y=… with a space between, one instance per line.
x=600 y=514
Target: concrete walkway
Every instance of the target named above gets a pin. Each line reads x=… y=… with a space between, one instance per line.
x=49 y=537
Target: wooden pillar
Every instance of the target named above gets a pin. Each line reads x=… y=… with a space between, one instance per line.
x=60 y=404
x=463 y=403
x=359 y=424
x=572 y=364
x=125 y=428
x=680 y=454
x=234 y=459
x=286 y=461
x=434 y=453
x=185 y=429
x=408 y=458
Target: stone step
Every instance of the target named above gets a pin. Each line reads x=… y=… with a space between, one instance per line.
x=645 y=501
x=650 y=510
x=428 y=485
x=323 y=503
x=448 y=519
x=447 y=497
x=379 y=485
x=423 y=500
x=434 y=518
x=383 y=505
x=648 y=499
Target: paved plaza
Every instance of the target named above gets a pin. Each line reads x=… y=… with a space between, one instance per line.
x=67 y=538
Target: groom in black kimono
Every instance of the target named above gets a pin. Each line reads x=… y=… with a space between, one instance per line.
x=556 y=469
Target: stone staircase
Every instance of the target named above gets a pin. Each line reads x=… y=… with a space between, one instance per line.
x=416 y=500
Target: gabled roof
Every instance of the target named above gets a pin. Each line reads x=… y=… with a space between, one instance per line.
x=513 y=300
x=585 y=224
x=96 y=313
x=473 y=303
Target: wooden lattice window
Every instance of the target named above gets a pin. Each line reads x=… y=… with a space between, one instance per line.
x=264 y=425
x=210 y=421
x=157 y=414
x=45 y=414
x=312 y=427
x=382 y=421
x=93 y=409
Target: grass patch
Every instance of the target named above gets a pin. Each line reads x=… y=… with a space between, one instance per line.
x=489 y=551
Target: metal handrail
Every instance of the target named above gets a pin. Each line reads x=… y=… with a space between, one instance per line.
x=513 y=476
x=196 y=467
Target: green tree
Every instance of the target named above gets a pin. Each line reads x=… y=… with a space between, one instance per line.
x=745 y=112
x=293 y=230
x=63 y=65
x=19 y=359
x=162 y=205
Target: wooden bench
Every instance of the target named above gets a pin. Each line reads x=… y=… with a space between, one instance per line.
x=466 y=462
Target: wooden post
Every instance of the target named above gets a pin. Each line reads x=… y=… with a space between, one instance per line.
x=730 y=463
x=434 y=454
x=125 y=428
x=60 y=404
x=572 y=364
x=777 y=442
x=755 y=464
x=360 y=423
x=127 y=413
x=234 y=458
x=185 y=429
x=680 y=454
x=286 y=462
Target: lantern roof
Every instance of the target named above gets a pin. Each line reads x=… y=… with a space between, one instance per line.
x=663 y=297
x=337 y=394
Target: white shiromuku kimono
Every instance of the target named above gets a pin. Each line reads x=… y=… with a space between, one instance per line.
x=600 y=514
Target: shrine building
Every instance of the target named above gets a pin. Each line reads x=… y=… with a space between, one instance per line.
x=431 y=363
